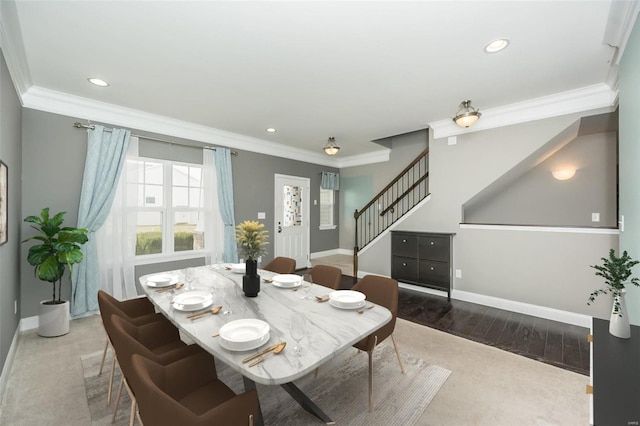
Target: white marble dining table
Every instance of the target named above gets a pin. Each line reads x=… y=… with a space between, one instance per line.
x=329 y=330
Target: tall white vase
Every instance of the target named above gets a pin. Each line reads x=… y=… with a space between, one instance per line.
x=619 y=325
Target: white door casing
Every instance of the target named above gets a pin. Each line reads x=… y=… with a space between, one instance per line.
x=292 y=215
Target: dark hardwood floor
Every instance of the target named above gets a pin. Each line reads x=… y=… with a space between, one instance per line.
x=556 y=343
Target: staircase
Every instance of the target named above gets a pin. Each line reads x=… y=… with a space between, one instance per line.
x=401 y=195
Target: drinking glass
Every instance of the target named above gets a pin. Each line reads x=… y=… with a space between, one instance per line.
x=189 y=276
x=298 y=331
x=307 y=283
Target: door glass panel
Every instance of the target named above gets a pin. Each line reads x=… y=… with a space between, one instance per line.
x=292 y=206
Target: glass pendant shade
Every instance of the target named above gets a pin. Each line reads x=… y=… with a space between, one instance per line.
x=466 y=115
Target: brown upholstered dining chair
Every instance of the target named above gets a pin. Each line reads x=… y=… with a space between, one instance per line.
x=159 y=341
x=137 y=311
x=328 y=276
x=188 y=392
x=381 y=291
x=281 y=265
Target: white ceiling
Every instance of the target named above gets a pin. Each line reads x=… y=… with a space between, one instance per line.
x=358 y=71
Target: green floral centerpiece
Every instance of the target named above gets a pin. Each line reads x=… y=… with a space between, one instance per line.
x=252 y=240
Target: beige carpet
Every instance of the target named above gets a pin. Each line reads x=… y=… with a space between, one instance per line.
x=487 y=386
x=340 y=390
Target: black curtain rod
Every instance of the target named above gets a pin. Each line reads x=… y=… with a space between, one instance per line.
x=92 y=127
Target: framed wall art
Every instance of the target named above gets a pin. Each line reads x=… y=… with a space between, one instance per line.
x=4 y=189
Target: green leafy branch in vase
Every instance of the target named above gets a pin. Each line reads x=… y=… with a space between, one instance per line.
x=616 y=271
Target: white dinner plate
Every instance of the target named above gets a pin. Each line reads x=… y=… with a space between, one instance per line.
x=237 y=268
x=191 y=308
x=343 y=306
x=287 y=280
x=244 y=330
x=162 y=280
x=192 y=298
x=243 y=346
x=347 y=299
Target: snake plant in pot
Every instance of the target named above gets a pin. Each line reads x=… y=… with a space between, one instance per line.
x=616 y=271
x=58 y=249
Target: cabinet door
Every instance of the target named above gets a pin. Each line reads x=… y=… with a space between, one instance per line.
x=404 y=269
x=404 y=245
x=434 y=248
x=434 y=273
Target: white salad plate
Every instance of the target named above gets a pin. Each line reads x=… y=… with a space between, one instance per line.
x=244 y=334
x=237 y=268
x=162 y=280
x=191 y=308
x=342 y=306
x=192 y=298
x=347 y=298
x=287 y=280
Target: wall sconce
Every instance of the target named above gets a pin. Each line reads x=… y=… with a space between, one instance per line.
x=563 y=174
x=331 y=148
x=466 y=115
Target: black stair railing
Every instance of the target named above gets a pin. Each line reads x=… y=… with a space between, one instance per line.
x=402 y=194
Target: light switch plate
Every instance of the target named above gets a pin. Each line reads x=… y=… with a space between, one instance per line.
x=262 y=215
x=595 y=217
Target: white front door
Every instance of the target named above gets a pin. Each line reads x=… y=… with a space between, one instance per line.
x=292 y=219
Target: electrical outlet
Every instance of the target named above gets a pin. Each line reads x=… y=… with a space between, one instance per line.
x=595 y=217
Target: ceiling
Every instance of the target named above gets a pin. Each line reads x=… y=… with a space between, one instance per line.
x=358 y=71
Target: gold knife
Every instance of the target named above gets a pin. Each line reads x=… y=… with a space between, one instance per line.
x=254 y=356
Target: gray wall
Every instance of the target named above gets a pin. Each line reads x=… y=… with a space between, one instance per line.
x=630 y=160
x=254 y=186
x=360 y=184
x=10 y=154
x=545 y=269
x=53 y=165
x=537 y=198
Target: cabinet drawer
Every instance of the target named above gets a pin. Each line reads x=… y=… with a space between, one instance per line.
x=434 y=273
x=404 y=245
x=434 y=248
x=404 y=269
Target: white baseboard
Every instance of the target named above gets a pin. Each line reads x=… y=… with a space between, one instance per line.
x=508 y=305
x=524 y=308
x=28 y=323
x=8 y=363
x=331 y=253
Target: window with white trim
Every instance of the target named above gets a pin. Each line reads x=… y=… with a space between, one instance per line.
x=169 y=208
x=326 y=209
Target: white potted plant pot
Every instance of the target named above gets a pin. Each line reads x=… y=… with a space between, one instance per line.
x=619 y=322
x=53 y=320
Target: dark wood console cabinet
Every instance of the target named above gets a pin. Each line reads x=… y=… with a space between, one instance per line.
x=615 y=374
x=423 y=259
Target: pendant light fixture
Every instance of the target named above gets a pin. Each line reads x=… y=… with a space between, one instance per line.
x=331 y=148
x=466 y=115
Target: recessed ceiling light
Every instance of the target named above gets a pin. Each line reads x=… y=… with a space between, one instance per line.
x=98 y=82
x=496 y=45
x=271 y=130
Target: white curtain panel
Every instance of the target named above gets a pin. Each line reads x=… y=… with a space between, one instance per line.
x=117 y=237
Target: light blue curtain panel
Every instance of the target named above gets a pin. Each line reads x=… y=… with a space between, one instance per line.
x=106 y=153
x=330 y=181
x=222 y=158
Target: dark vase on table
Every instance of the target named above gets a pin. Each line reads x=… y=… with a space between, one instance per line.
x=251 y=279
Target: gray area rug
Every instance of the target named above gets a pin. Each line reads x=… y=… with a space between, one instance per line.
x=341 y=391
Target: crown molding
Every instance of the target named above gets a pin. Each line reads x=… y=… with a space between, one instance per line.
x=13 y=47
x=379 y=156
x=55 y=102
x=622 y=18
x=563 y=103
